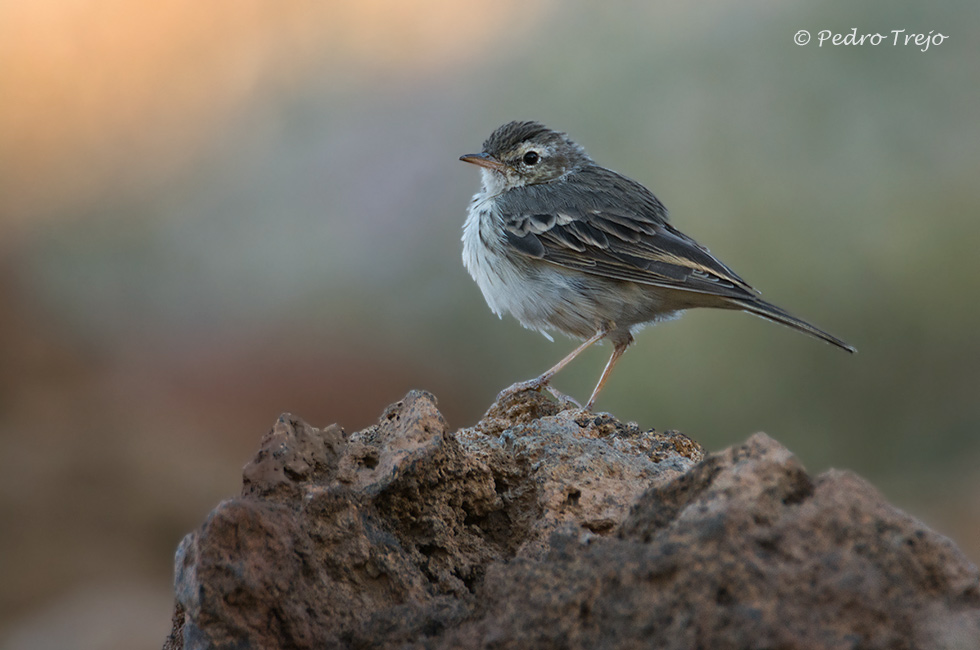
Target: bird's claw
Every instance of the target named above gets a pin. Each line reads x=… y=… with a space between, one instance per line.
x=537 y=384
x=566 y=401
x=521 y=386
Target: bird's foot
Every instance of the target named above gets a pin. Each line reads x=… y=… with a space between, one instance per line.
x=566 y=402
x=531 y=384
x=537 y=384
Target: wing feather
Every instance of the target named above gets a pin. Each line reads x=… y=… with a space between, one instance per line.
x=603 y=223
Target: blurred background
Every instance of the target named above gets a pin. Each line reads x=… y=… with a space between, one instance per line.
x=211 y=213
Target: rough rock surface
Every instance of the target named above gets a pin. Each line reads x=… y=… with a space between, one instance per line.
x=549 y=528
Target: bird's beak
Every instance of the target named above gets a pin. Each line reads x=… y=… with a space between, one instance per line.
x=484 y=160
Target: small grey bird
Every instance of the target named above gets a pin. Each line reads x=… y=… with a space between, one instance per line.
x=565 y=244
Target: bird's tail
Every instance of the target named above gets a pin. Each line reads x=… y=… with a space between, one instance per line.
x=773 y=313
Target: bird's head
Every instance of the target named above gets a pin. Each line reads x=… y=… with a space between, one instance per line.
x=526 y=153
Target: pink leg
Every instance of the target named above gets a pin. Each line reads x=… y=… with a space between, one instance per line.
x=616 y=353
x=540 y=382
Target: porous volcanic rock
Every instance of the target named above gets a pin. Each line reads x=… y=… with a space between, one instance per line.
x=549 y=528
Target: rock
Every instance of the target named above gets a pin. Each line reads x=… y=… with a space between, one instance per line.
x=549 y=528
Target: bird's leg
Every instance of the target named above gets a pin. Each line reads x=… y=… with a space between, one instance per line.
x=618 y=349
x=541 y=382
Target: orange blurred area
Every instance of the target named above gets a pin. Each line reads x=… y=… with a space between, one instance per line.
x=105 y=92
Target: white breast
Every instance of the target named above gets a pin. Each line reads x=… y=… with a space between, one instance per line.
x=483 y=255
x=540 y=297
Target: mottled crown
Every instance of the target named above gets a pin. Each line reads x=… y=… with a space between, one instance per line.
x=507 y=137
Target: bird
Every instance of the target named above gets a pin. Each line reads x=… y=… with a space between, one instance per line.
x=565 y=244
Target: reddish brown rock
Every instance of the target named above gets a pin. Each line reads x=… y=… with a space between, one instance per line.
x=543 y=528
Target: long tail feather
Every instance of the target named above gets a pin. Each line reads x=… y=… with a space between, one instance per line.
x=773 y=313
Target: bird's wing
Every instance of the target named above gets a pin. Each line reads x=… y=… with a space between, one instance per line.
x=603 y=223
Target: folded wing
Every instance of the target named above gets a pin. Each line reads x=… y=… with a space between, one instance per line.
x=608 y=225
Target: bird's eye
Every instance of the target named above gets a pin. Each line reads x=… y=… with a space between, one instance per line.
x=531 y=158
